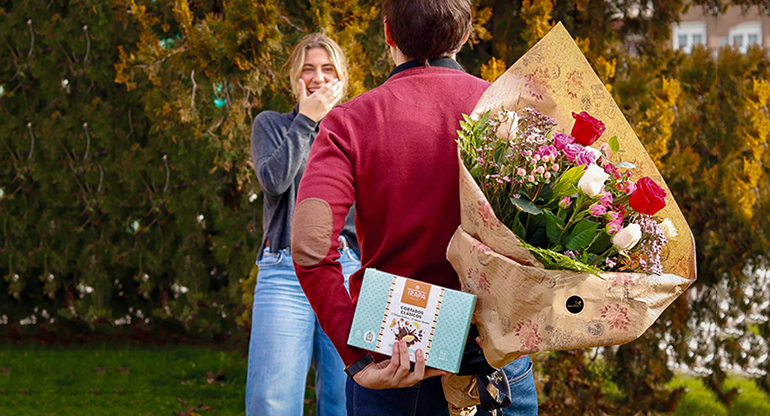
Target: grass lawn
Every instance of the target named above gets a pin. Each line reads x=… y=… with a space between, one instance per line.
x=128 y=380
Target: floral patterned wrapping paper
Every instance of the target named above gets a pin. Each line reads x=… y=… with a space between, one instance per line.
x=521 y=307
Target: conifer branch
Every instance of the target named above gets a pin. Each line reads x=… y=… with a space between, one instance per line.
x=32 y=36
x=32 y=142
x=168 y=173
x=88 y=43
x=88 y=140
x=101 y=177
x=130 y=125
x=195 y=87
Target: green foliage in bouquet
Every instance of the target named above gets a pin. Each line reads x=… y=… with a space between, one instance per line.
x=569 y=204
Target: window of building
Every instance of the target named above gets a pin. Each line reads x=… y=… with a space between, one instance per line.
x=744 y=35
x=689 y=34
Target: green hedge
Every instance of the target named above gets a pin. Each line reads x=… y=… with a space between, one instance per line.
x=108 y=222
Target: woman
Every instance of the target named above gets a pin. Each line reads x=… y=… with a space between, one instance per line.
x=285 y=335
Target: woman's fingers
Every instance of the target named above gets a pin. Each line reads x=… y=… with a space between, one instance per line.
x=319 y=103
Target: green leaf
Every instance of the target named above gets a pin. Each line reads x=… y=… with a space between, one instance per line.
x=554 y=226
x=614 y=145
x=526 y=206
x=581 y=235
x=557 y=261
x=519 y=230
x=601 y=243
x=567 y=183
x=627 y=165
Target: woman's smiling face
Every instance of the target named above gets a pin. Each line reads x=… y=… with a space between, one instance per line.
x=317 y=70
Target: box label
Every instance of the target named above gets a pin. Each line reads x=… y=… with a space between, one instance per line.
x=428 y=317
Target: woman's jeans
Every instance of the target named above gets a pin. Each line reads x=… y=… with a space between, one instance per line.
x=285 y=337
x=427 y=397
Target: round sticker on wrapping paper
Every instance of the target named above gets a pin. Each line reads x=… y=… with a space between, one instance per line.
x=575 y=304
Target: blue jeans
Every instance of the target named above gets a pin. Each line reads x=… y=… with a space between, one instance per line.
x=285 y=337
x=424 y=398
x=523 y=393
x=427 y=397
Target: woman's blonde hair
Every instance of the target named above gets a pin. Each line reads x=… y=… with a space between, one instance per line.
x=317 y=40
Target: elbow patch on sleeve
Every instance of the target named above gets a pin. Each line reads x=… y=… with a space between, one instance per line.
x=311 y=232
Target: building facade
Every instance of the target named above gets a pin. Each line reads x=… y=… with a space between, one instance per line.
x=741 y=30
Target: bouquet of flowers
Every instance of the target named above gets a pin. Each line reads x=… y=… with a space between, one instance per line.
x=568 y=237
x=567 y=233
x=573 y=206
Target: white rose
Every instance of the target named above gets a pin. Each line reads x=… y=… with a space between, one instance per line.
x=509 y=126
x=627 y=238
x=592 y=181
x=669 y=229
x=596 y=152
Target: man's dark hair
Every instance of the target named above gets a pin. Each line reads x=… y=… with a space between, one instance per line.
x=424 y=29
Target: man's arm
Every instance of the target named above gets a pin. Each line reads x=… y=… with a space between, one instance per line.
x=325 y=195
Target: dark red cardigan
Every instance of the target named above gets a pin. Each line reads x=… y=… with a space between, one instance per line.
x=391 y=150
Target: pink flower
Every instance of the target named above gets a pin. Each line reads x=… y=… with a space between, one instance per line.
x=564 y=203
x=597 y=210
x=521 y=172
x=555 y=167
x=548 y=151
x=615 y=222
x=530 y=178
x=612 y=170
x=561 y=140
x=605 y=199
x=628 y=187
x=540 y=170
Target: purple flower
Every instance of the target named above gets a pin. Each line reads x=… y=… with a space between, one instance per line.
x=571 y=151
x=561 y=140
x=585 y=157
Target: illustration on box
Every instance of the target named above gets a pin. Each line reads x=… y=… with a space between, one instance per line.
x=410 y=316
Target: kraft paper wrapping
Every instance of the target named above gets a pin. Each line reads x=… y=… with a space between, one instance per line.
x=521 y=307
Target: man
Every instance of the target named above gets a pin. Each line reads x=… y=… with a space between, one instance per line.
x=392 y=151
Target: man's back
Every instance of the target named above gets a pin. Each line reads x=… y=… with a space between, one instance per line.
x=393 y=151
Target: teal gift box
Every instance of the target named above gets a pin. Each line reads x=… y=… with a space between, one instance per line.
x=428 y=317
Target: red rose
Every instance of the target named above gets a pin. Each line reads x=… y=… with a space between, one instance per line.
x=586 y=129
x=648 y=198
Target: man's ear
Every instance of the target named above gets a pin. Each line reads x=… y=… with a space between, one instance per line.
x=388 y=36
x=467 y=35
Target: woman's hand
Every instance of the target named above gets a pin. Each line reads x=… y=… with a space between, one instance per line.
x=316 y=105
x=394 y=373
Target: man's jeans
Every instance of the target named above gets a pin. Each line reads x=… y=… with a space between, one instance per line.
x=285 y=337
x=427 y=397
x=523 y=393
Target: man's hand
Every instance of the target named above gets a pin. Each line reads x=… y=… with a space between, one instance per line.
x=394 y=373
x=316 y=105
